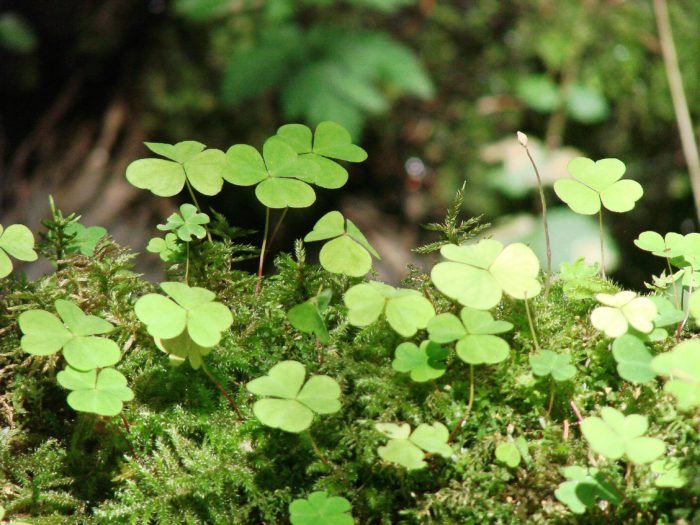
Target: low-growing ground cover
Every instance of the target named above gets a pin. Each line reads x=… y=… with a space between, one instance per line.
x=488 y=391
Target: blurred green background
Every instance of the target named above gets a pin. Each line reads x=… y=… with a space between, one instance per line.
x=434 y=90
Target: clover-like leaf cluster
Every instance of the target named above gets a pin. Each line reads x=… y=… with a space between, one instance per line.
x=184 y=322
x=408 y=449
x=477 y=275
x=168 y=248
x=95 y=386
x=422 y=363
x=622 y=310
x=289 y=403
x=585 y=486
x=406 y=311
x=320 y=509
x=547 y=363
x=329 y=142
x=615 y=435
x=474 y=332
x=187 y=161
x=186 y=224
x=282 y=178
x=598 y=183
x=348 y=251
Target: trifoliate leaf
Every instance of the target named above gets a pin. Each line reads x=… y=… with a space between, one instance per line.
x=320 y=509
x=476 y=343
x=424 y=363
x=348 y=251
x=546 y=363
x=187 y=161
x=477 y=275
x=406 y=311
x=682 y=368
x=308 y=317
x=670 y=246
x=101 y=393
x=192 y=308
x=74 y=333
x=509 y=454
x=187 y=223
x=584 y=488
x=633 y=359
x=290 y=404
x=331 y=141
x=84 y=239
x=622 y=310
x=16 y=240
x=182 y=348
x=169 y=249
x=670 y=474
x=281 y=175
x=595 y=183
x=409 y=450
x=615 y=435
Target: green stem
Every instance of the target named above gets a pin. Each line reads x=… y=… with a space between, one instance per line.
x=196 y=204
x=468 y=410
x=682 y=324
x=228 y=397
x=543 y=202
x=551 y=398
x=187 y=265
x=675 y=288
x=318 y=452
x=532 y=324
x=602 y=244
x=276 y=228
x=262 y=252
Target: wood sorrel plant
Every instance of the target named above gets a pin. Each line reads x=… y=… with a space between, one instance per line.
x=351 y=394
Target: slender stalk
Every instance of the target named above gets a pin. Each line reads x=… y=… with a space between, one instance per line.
x=680 y=104
x=222 y=390
x=125 y=437
x=468 y=410
x=522 y=138
x=125 y=422
x=276 y=228
x=263 y=248
x=319 y=349
x=318 y=452
x=199 y=208
x=532 y=324
x=675 y=288
x=187 y=265
x=551 y=398
x=602 y=244
x=682 y=324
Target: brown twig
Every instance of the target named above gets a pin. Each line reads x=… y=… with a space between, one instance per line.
x=680 y=104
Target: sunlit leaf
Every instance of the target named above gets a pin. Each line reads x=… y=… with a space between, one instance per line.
x=406 y=311
x=477 y=275
x=598 y=182
x=290 y=404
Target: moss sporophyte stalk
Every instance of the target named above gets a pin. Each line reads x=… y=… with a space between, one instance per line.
x=484 y=390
